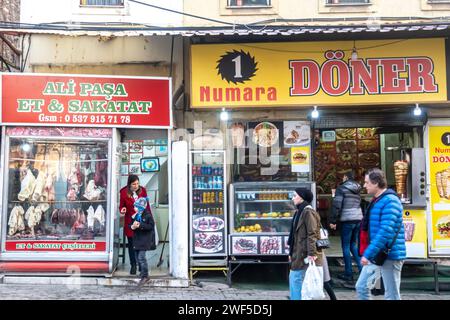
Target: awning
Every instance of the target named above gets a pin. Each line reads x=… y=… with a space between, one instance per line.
x=141 y=30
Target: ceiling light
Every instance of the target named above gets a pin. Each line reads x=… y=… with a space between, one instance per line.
x=315 y=113
x=417 y=110
x=224 y=116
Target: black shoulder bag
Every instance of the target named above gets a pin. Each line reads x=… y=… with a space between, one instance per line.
x=382 y=255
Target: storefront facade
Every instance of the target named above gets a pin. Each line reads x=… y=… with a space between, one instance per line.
x=63 y=159
x=365 y=92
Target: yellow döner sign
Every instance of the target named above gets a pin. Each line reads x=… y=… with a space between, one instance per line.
x=306 y=73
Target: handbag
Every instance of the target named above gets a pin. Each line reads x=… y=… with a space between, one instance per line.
x=383 y=254
x=323 y=242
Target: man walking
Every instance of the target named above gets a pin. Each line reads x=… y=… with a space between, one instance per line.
x=383 y=223
x=347 y=209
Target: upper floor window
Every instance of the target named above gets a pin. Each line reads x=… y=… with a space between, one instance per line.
x=347 y=1
x=104 y=3
x=248 y=3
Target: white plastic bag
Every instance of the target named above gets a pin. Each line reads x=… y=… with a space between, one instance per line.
x=312 y=287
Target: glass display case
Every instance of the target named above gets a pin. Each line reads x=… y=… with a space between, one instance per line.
x=208 y=221
x=261 y=215
x=57 y=189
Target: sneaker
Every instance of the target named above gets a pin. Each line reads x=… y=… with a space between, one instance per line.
x=133 y=269
x=345 y=277
x=143 y=281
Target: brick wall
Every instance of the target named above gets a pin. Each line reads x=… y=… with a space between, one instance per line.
x=9 y=12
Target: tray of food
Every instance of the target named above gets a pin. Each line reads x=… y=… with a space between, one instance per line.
x=346 y=134
x=369 y=145
x=208 y=242
x=367 y=133
x=265 y=134
x=369 y=159
x=244 y=245
x=346 y=146
x=208 y=224
x=270 y=245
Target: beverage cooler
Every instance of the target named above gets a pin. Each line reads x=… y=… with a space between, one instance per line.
x=207 y=218
x=261 y=216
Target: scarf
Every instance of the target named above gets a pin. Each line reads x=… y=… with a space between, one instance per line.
x=294 y=223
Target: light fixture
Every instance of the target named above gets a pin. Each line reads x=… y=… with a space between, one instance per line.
x=315 y=113
x=224 y=116
x=417 y=110
x=26 y=147
x=354 y=52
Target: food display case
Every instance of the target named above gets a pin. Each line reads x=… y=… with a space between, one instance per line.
x=261 y=215
x=208 y=221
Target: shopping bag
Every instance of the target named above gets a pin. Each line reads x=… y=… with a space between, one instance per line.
x=312 y=287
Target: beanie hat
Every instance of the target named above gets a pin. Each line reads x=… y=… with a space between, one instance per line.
x=305 y=194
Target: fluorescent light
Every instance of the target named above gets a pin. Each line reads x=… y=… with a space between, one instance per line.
x=315 y=113
x=417 y=110
x=224 y=116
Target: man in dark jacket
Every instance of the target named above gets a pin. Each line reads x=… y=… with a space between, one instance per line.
x=347 y=208
x=143 y=240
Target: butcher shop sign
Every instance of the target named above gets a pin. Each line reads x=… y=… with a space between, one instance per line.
x=318 y=73
x=81 y=100
x=55 y=246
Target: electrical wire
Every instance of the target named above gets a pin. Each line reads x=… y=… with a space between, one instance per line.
x=312 y=51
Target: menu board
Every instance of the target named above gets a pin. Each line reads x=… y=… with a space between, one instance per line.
x=356 y=149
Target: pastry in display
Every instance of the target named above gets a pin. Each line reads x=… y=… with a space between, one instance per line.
x=401 y=174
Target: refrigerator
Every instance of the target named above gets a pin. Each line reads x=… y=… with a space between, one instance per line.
x=261 y=217
x=207 y=214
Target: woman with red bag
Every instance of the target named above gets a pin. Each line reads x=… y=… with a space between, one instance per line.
x=128 y=196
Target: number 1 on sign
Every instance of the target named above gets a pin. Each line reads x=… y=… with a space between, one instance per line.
x=237 y=67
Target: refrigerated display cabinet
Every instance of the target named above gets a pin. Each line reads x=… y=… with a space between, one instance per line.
x=261 y=216
x=208 y=220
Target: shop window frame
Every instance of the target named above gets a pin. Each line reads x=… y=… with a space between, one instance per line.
x=84 y=5
x=55 y=255
x=247 y=6
x=333 y=3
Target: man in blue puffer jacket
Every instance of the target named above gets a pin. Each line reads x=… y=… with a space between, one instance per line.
x=384 y=222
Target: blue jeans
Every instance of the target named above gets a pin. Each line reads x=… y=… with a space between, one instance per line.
x=390 y=272
x=295 y=284
x=142 y=260
x=349 y=238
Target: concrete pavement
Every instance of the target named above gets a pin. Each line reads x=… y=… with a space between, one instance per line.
x=203 y=291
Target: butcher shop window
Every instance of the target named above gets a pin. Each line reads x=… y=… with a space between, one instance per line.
x=349 y=2
x=248 y=3
x=57 y=189
x=102 y=3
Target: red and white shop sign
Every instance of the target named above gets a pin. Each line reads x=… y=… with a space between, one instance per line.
x=67 y=246
x=85 y=100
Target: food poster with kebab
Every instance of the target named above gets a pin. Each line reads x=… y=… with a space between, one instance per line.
x=356 y=149
x=415 y=224
x=439 y=173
